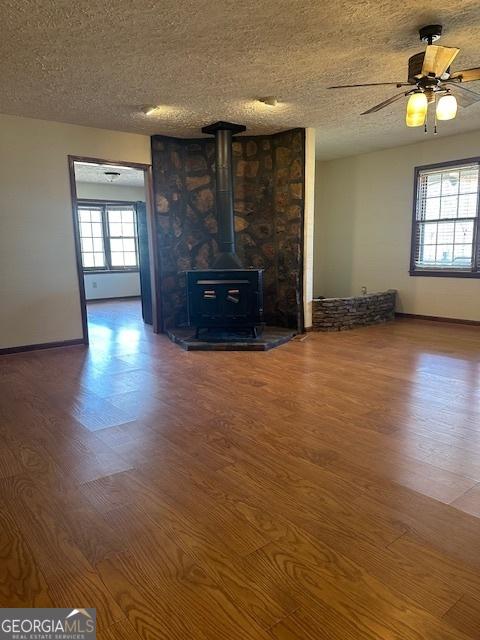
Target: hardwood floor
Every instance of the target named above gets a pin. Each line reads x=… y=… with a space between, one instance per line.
x=328 y=489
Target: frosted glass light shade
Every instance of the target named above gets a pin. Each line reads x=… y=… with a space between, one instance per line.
x=417 y=106
x=447 y=107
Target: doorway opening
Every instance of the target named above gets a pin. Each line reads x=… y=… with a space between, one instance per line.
x=114 y=227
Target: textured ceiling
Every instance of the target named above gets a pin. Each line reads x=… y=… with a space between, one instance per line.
x=95 y=173
x=96 y=63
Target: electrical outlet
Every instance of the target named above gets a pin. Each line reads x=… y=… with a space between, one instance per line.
x=94 y=285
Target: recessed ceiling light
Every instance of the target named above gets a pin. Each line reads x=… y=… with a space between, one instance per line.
x=150 y=109
x=271 y=101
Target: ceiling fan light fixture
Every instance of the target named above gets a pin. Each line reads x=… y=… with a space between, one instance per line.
x=417 y=107
x=429 y=79
x=112 y=176
x=447 y=107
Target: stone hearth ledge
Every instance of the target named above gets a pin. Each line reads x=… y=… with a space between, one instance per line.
x=340 y=314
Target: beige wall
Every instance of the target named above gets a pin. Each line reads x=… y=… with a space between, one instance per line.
x=38 y=280
x=363 y=215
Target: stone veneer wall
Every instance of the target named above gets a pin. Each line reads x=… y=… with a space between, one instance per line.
x=269 y=204
x=339 y=314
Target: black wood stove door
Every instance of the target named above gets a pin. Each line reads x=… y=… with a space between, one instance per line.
x=222 y=299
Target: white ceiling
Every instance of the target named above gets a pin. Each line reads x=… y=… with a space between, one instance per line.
x=96 y=63
x=95 y=173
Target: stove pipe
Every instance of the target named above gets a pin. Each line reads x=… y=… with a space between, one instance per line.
x=224 y=132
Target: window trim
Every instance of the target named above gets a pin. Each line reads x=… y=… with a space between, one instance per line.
x=474 y=272
x=85 y=202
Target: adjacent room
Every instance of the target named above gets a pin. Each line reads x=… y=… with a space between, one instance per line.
x=240 y=321
x=112 y=249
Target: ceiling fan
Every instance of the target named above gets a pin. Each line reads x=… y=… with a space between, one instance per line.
x=429 y=78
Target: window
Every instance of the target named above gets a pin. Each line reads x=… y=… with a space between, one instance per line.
x=108 y=236
x=91 y=237
x=122 y=237
x=444 y=236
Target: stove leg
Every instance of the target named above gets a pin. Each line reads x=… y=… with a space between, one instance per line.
x=254 y=332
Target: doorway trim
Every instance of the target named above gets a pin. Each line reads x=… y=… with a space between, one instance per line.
x=151 y=228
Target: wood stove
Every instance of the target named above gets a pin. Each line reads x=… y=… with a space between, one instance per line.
x=227 y=296
x=227 y=299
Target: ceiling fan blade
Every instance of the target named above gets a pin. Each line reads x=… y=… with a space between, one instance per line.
x=385 y=103
x=437 y=60
x=467 y=75
x=465 y=97
x=372 y=84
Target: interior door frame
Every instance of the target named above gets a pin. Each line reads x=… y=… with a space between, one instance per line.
x=151 y=232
